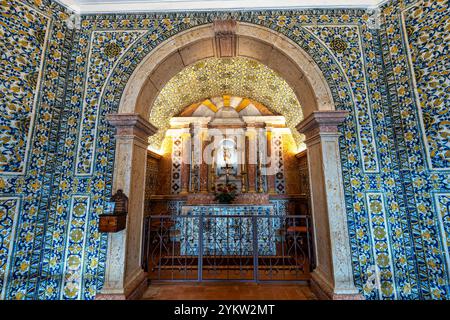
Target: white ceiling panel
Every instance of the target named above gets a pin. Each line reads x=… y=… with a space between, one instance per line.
x=112 y=6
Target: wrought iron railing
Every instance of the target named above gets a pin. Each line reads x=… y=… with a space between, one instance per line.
x=227 y=247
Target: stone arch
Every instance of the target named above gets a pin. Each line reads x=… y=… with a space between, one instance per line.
x=253 y=41
x=333 y=277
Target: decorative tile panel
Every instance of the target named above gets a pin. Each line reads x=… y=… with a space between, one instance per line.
x=280 y=207
x=175 y=185
x=225 y=235
x=174 y=206
x=418 y=181
x=442 y=201
x=379 y=235
x=75 y=246
x=106 y=48
x=24 y=32
x=33 y=184
x=345 y=44
x=277 y=143
x=428 y=50
x=9 y=214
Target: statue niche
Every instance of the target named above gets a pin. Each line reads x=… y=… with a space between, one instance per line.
x=226 y=140
x=226 y=164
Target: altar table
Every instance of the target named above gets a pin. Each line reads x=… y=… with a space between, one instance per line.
x=229 y=229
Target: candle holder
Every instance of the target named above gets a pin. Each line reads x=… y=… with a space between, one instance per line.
x=243 y=182
x=260 y=179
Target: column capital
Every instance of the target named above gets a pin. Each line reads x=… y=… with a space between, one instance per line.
x=250 y=131
x=320 y=122
x=198 y=128
x=185 y=135
x=131 y=124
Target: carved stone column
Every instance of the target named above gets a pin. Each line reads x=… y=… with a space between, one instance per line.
x=124 y=277
x=195 y=157
x=250 y=147
x=272 y=166
x=186 y=162
x=204 y=165
x=242 y=156
x=333 y=276
x=212 y=166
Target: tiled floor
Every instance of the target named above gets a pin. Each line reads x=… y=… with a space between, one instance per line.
x=228 y=291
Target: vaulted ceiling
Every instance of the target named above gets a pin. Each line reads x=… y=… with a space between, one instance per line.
x=218 y=76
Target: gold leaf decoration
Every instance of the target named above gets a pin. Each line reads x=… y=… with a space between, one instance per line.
x=215 y=77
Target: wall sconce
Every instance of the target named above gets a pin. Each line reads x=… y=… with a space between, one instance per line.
x=114 y=219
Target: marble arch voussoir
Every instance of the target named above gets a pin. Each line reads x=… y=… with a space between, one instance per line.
x=257 y=42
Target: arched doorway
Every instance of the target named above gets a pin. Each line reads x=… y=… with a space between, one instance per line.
x=333 y=276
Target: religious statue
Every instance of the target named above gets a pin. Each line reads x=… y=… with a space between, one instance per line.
x=227 y=155
x=226 y=164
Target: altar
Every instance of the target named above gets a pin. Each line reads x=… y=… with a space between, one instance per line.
x=228 y=215
x=231 y=229
x=225 y=154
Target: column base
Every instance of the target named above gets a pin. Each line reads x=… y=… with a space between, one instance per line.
x=132 y=291
x=326 y=291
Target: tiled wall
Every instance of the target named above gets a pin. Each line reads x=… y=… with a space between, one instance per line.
x=35 y=48
x=415 y=44
x=58 y=151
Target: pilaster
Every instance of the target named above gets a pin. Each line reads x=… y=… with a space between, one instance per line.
x=124 y=277
x=333 y=276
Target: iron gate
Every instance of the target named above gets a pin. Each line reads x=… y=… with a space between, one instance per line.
x=227 y=247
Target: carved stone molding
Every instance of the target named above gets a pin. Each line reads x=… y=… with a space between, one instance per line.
x=225 y=38
x=131 y=124
x=321 y=122
x=244 y=198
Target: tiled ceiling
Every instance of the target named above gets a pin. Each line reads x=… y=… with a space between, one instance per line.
x=218 y=76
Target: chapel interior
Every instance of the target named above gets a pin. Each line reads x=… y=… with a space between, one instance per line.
x=194 y=150
x=219 y=142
